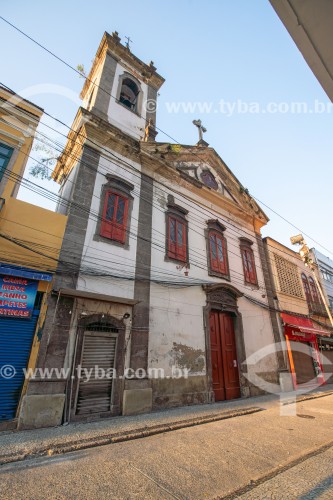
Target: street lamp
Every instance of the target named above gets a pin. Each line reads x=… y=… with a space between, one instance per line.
x=308 y=261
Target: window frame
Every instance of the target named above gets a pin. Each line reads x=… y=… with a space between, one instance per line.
x=245 y=246
x=178 y=214
x=117 y=230
x=127 y=76
x=122 y=190
x=314 y=291
x=216 y=229
x=7 y=159
x=306 y=288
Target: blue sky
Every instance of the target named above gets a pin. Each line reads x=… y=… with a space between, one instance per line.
x=232 y=50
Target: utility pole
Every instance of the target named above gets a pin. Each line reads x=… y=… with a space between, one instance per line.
x=308 y=261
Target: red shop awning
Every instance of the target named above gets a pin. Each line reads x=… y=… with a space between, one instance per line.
x=304 y=325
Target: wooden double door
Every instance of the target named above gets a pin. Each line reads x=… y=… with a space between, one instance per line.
x=225 y=374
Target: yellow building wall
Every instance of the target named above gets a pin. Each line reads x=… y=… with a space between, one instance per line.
x=31 y=225
x=19 y=165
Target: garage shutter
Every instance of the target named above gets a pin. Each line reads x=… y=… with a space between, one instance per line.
x=303 y=362
x=99 y=351
x=15 y=345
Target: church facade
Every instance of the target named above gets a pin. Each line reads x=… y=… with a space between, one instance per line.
x=160 y=298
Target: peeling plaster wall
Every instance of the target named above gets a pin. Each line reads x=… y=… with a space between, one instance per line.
x=176 y=329
x=258 y=335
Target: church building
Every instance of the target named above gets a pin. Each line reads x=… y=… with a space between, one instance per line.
x=161 y=291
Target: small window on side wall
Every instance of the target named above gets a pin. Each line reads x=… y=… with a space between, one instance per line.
x=217 y=250
x=249 y=267
x=5 y=154
x=176 y=232
x=116 y=204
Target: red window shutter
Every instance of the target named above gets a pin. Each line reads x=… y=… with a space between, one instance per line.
x=218 y=255
x=172 y=237
x=314 y=293
x=114 y=218
x=181 y=241
x=306 y=289
x=221 y=254
x=250 y=274
x=213 y=253
x=177 y=239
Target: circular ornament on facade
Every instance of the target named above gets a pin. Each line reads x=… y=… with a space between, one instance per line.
x=209 y=180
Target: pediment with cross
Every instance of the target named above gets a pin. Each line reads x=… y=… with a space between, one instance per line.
x=205 y=170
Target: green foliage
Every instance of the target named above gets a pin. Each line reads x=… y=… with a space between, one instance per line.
x=81 y=69
x=43 y=166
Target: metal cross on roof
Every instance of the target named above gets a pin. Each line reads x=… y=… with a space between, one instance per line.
x=128 y=42
x=201 y=130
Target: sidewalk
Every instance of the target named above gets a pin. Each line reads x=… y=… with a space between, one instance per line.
x=21 y=445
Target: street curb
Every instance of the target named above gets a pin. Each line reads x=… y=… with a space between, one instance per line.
x=308 y=397
x=122 y=436
x=275 y=472
x=119 y=437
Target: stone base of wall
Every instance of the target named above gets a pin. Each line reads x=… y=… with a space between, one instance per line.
x=137 y=401
x=41 y=411
x=270 y=378
x=168 y=393
x=286 y=382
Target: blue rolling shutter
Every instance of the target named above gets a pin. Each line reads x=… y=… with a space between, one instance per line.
x=16 y=337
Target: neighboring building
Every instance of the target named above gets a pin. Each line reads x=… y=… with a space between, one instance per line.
x=325 y=265
x=310 y=24
x=298 y=316
x=30 y=240
x=167 y=263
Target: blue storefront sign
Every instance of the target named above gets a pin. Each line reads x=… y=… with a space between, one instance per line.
x=17 y=296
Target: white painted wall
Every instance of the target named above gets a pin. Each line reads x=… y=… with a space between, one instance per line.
x=66 y=189
x=107 y=256
x=177 y=313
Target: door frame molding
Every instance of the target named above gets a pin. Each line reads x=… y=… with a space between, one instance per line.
x=118 y=383
x=223 y=298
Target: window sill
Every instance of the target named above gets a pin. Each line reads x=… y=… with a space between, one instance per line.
x=219 y=275
x=98 y=237
x=252 y=285
x=128 y=109
x=178 y=261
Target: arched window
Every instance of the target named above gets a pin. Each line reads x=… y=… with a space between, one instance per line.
x=129 y=93
x=306 y=289
x=314 y=291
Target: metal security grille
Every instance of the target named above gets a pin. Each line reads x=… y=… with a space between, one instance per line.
x=97 y=363
x=100 y=327
x=16 y=337
x=303 y=362
x=289 y=281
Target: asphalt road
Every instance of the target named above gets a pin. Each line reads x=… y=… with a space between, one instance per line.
x=208 y=461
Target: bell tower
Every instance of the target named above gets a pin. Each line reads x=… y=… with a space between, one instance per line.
x=122 y=89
